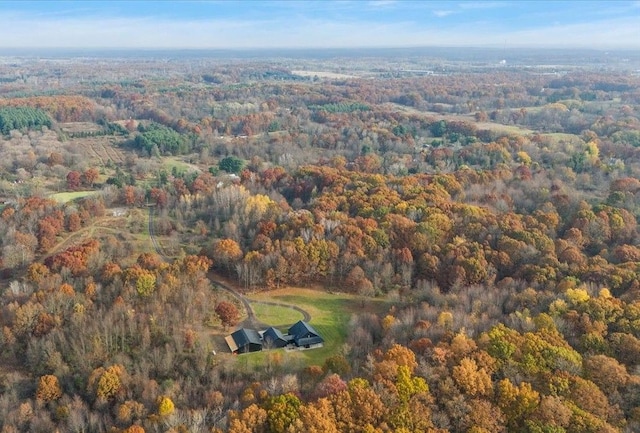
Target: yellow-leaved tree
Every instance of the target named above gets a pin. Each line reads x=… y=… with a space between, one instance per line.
x=165 y=406
x=107 y=383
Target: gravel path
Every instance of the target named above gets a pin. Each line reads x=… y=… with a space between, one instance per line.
x=251 y=321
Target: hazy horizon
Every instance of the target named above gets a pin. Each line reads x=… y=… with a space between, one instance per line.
x=256 y=25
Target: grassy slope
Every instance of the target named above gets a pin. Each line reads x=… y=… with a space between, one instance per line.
x=330 y=315
x=277 y=316
x=65 y=197
x=169 y=163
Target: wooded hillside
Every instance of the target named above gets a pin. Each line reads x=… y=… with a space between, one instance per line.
x=480 y=227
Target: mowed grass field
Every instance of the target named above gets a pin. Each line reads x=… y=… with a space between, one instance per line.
x=171 y=163
x=330 y=316
x=65 y=197
x=275 y=315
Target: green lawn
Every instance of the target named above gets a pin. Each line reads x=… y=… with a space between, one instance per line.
x=506 y=129
x=557 y=137
x=279 y=317
x=183 y=167
x=65 y=197
x=330 y=315
x=138 y=225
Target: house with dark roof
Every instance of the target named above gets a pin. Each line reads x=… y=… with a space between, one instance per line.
x=244 y=340
x=304 y=335
x=301 y=335
x=273 y=338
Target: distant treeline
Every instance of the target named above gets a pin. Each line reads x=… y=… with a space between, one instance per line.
x=22 y=117
x=109 y=128
x=62 y=108
x=342 y=107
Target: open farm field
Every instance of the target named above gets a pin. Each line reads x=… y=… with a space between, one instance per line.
x=323 y=74
x=100 y=150
x=492 y=126
x=79 y=127
x=173 y=164
x=65 y=197
x=504 y=129
x=560 y=137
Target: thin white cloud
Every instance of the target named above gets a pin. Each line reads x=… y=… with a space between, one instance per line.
x=483 y=5
x=88 y=32
x=382 y=3
x=442 y=13
x=466 y=7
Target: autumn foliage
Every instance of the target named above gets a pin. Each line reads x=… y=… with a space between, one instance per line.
x=228 y=313
x=48 y=388
x=480 y=227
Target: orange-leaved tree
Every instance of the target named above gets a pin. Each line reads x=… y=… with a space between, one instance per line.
x=48 y=388
x=228 y=313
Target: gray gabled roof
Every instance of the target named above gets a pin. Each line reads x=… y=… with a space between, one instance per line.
x=274 y=334
x=274 y=337
x=243 y=337
x=302 y=329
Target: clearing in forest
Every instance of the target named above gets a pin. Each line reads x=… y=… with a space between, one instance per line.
x=65 y=197
x=101 y=149
x=330 y=315
x=322 y=74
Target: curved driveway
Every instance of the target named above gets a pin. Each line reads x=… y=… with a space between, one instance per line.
x=251 y=321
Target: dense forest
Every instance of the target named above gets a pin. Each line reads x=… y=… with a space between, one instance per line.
x=466 y=242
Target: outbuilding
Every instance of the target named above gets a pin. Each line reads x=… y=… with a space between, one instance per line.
x=244 y=341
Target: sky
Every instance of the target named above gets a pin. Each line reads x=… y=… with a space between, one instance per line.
x=252 y=24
